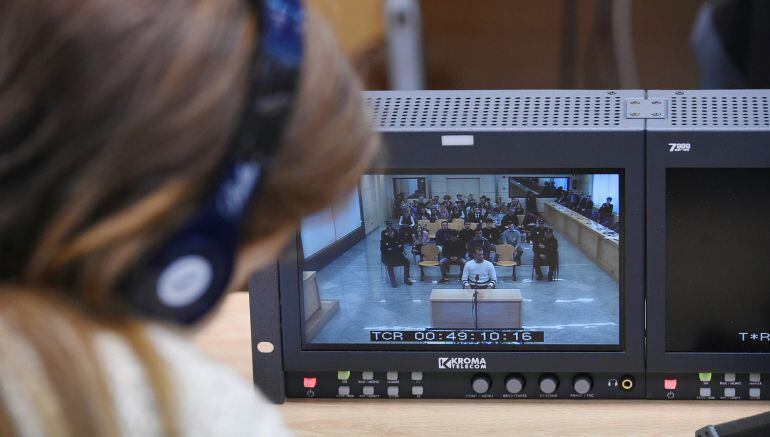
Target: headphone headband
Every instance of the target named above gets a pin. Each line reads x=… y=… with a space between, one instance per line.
x=188 y=274
x=274 y=79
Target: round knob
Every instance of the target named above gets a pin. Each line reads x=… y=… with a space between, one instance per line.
x=481 y=384
x=514 y=384
x=582 y=384
x=549 y=384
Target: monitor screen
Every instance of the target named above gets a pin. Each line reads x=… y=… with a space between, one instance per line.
x=476 y=261
x=718 y=260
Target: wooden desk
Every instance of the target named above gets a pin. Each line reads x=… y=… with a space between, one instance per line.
x=453 y=308
x=226 y=337
x=599 y=243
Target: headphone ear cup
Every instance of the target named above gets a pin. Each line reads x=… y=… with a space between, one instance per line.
x=188 y=275
x=186 y=279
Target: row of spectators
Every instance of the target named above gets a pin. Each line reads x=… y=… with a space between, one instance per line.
x=409 y=211
x=583 y=204
x=456 y=247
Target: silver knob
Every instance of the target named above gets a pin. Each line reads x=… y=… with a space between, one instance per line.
x=549 y=384
x=514 y=384
x=582 y=384
x=481 y=384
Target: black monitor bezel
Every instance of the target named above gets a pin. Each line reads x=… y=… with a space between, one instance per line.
x=525 y=151
x=708 y=149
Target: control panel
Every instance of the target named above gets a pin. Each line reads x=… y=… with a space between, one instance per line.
x=708 y=386
x=479 y=385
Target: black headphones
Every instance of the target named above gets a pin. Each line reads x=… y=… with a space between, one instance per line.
x=185 y=277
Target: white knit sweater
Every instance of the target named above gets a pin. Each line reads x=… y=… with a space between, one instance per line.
x=210 y=399
x=485 y=270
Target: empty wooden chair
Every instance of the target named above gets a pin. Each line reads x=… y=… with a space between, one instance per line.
x=423 y=223
x=433 y=227
x=505 y=257
x=429 y=254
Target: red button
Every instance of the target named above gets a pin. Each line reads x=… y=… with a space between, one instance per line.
x=309 y=382
x=669 y=384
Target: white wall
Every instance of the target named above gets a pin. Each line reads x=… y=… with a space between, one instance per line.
x=323 y=228
x=373 y=201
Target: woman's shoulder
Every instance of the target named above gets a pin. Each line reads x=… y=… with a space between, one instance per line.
x=207 y=397
x=211 y=396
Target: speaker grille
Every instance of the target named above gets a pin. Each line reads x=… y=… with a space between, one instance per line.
x=497 y=110
x=715 y=109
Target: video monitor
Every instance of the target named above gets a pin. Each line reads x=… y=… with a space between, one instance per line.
x=718 y=258
x=476 y=261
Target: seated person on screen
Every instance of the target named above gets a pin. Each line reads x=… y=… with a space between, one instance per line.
x=460 y=203
x=453 y=254
x=457 y=213
x=388 y=225
x=494 y=215
x=392 y=251
x=471 y=202
x=479 y=241
x=422 y=238
x=406 y=219
x=473 y=216
x=587 y=208
x=513 y=237
x=442 y=235
x=466 y=234
x=479 y=273
x=425 y=214
x=443 y=212
x=546 y=251
x=406 y=223
x=491 y=232
x=605 y=212
x=508 y=218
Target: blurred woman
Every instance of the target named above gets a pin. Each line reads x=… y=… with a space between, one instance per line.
x=116 y=118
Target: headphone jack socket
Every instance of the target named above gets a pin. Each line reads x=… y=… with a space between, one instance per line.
x=627 y=383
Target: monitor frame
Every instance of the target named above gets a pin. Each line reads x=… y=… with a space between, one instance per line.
x=527 y=149
x=725 y=144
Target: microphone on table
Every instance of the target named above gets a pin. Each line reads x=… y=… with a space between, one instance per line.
x=476 y=302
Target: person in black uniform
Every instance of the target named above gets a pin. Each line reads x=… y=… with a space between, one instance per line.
x=605 y=212
x=546 y=251
x=392 y=251
x=388 y=225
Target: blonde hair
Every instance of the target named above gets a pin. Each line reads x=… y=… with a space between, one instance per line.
x=115 y=116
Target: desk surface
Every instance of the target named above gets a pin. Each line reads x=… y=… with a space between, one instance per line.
x=226 y=337
x=465 y=295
